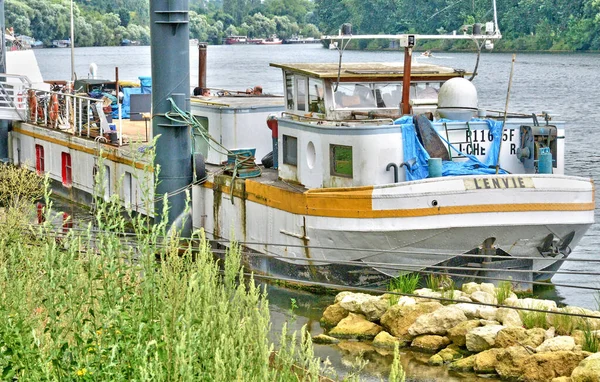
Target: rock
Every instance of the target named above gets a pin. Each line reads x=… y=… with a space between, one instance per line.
x=406 y=301
x=426 y=292
x=332 y=315
x=560 y=343
x=488 y=288
x=485 y=362
x=550 y=333
x=482 y=338
x=470 y=310
x=470 y=288
x=465 y=364
x=534 y=303
x=509 y=317
x=463 y=298
x=488 y=322
x=535 y=337
x=483 y=297
x=437 y=322
x=451 y=353
x=340 y=296
x=458 y=333
x=487 y=312
x=511 y=301
x=562 y=379
x=510 y=336
x=588 y=370
x=386 y=340
x=430 y=343
x=398 y=319
x=324 y=339
x=355 y=326
x=546 y=366
x=578 y=336
x=435 y=360
x=510 y=362
x=372 y=307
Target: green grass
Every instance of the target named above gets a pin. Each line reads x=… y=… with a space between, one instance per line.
x=93 y=307
x=534 y=319
x=503 y=291
x=405 y=284
x=591 y=342
x=433 y=282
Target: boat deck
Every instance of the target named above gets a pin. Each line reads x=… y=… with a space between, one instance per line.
x=269 y=177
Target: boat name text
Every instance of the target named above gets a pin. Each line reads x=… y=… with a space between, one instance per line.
x=492 y=183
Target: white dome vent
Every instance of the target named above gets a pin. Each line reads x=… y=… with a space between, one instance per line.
x=457 y=100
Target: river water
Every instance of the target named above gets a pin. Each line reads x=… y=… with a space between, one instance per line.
x=567 y=85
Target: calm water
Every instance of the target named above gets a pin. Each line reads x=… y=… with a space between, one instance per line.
x=565 y=84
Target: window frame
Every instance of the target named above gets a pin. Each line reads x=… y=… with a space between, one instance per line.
x=334 y=162
x=66 y=169
x=286 y=141
x=39 y=159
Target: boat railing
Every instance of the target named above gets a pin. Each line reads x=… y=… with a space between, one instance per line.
x=76 y=114
x=13 y=96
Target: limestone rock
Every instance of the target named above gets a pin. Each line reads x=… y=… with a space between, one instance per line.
x=435 y=360
x=451 y=353
x=535 y=337
x=550 y=333
x=562 y=379
x=458 y=333
x=510 y=362
x=588 y=370
x=485 y=362
x=355 y=326
x=470 y=310
x=578 y=336
x=482 y=338
x=398 y=319
x=546 y=366
x=437 y=322
x=426 y=292
x=509 y=317
x=488 y=322
x=340 y=296
x=372 y=307
x=333 y=314
x=510 y=336
x=534 y=303
x=488 y=288
x=484 y=297
x=430 y=343
x=487 y=312
x=560 y=343
x=406 y=301
x=470 y=288
x=324 y=339
x=465 y=364
x=463 y=298
x=386 y=340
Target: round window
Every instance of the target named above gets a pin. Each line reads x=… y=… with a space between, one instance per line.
x=311 y=155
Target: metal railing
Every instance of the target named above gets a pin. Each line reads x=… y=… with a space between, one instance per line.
x=13 y=96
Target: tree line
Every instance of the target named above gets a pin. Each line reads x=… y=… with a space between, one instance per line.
x=525 y=24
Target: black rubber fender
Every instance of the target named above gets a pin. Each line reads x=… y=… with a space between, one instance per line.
x=267 y=160
x=200 y=166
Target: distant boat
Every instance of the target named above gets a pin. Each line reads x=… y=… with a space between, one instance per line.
x=427 y=53
x=61 y=43
x=301 y=40
x=127 y=42
x=234 y=40
x=273 y=40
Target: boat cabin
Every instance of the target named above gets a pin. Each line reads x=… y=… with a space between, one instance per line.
x=334 y=93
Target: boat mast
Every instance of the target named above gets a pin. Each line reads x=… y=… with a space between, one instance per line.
x=72 y=46
x=408 y=43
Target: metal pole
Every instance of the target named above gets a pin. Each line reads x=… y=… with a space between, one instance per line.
x=170 y=57
x=202 y=65
x=406 y=80
x=512 y=68
x=72 y=46
x=3 y=123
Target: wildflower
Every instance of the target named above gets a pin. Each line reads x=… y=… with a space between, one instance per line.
x=99 y=332
x=81 y=372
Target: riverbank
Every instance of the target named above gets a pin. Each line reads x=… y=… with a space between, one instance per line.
x=480 y=329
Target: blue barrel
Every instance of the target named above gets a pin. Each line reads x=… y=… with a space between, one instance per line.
x=545 y=161
x=435 y=167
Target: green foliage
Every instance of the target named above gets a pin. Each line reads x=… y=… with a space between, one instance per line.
x=405 y=284
x=591 y=342
x=503 y=291
x=534 y=319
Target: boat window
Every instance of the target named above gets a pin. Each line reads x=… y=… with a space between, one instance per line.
x=128 y=189
x=341 y=160
x=200 y=144
x=425 y=90
x=301 y=93
x=106 y=184
x=39 y=159
x=290 y=150
x=67 y=170
x=289 y=91
x=355 y=96
x=388 y=95
x=315 y=96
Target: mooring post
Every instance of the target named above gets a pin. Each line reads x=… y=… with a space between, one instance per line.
x=202 y=64
x=170 y=54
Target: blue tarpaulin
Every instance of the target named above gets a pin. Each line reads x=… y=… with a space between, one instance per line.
x=416 y=156
x=126 y=104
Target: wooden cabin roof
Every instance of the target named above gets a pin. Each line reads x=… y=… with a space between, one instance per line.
x=369 y=69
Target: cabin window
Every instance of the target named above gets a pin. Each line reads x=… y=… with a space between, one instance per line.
x=67 y=170
x=289 y=91
x=106 y=182
x=39 y=159
x=290 y=150
x=425 y=90
x=301 y=93
x=355 y=96
x=341 y=160
x=200 y=144
x=388 y=95
x=315 y=96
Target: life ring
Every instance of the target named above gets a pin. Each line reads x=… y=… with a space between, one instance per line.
x=53 y=113
x=33 y=105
